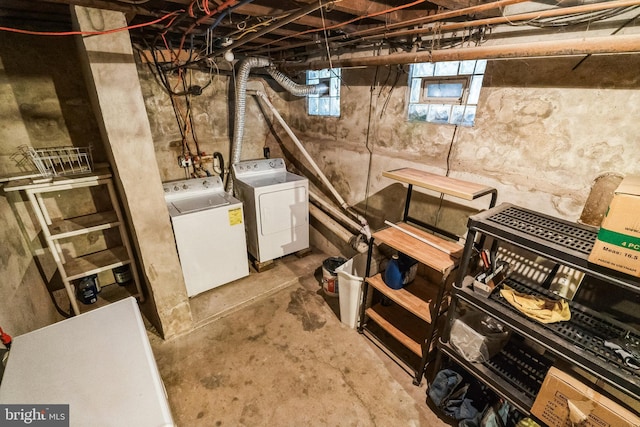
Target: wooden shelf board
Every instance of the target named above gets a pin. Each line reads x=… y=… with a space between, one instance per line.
x=418 y=297
x=83 y=224
x=96 y=262
x=442 y=184
x=420 y=251
x=401 y=325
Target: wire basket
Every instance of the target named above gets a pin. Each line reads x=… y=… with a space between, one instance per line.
x=56 y=161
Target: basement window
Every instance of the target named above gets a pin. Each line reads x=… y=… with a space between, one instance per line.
x=445 y=92
x=329 y=103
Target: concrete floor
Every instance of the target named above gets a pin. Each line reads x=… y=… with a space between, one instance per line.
x=270 y=350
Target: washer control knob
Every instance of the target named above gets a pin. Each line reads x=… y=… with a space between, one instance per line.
x=272 y=164
x=185 y=186
x=205 y=184
x=176 y=188
x=167 y=189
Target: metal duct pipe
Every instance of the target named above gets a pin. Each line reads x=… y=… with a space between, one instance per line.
x=241 y=102
x=365 y=225
x=295 y=88
x=241 y=106
x=342 y=233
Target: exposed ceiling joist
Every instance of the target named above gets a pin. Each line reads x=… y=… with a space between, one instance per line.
x=297 y=31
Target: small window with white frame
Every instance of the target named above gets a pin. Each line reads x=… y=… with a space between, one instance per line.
x=327 y=104
x=445 y=92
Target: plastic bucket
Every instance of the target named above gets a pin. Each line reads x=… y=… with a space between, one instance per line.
x=329 y=276
x=351 y=276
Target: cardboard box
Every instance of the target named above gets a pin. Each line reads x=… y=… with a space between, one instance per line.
x=618 y=243
x=563 y=401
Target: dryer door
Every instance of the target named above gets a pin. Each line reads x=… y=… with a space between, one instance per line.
x=284 y=221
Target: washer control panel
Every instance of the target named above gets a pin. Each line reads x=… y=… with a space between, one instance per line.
x=192 y=187
x=250 y=167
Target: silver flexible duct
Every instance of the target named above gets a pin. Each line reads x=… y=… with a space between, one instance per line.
x=241 y=106
x=241 y=102
x=295 y=88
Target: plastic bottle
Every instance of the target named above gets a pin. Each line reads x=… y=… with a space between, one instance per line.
x=392 y=275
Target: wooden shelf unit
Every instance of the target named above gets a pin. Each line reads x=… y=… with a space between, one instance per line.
x=463 y=190
x=400 y=325
x=412 y=318
x=57 y=229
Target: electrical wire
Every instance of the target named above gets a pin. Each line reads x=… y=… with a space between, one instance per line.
x=324 y=29
x=228 y=4
x=393 y=86
x=184 y=121
x=369 y=149
x=572 y=19
x=91 y=33
x=342 y=24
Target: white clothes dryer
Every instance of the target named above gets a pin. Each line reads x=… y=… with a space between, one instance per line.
x=208 y=225
x=276 y=206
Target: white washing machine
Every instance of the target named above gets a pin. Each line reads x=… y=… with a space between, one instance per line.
x=208 y=225
x=276 y=206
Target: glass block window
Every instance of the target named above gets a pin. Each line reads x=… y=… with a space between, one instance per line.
x=329 y=103
x=445 y=92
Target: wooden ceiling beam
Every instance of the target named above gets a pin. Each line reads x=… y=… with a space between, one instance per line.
x=103 y=4
x=252 y=9
x=361 y=8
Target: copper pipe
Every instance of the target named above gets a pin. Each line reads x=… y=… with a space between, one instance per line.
x=513 y=18
x=342 y=24
x=572 y=47
x=480 y=22
x=424 y=20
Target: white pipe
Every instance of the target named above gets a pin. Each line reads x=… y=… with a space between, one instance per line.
x=337 y=229
x=415 y=236
x=321 y=175
x=332 y=210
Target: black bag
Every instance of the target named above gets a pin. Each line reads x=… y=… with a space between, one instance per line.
x=461 y=399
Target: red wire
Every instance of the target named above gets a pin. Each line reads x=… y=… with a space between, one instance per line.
x=89 y=33
x=205 y=6
x=226 y=4
x=5 y=338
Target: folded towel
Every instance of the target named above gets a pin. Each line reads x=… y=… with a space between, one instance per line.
x=541 y=309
